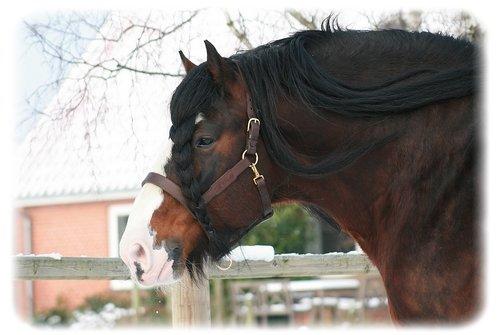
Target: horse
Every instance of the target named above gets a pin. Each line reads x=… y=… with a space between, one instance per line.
x=373 y=131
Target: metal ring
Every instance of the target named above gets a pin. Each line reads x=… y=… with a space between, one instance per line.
x=255 y=154
x=227 y=268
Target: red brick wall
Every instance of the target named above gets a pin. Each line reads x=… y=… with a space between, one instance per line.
x=70 y=230
x=21 y=287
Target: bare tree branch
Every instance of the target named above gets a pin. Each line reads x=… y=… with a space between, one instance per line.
x=64 y=41
x=308 y=23
x=151 y=73
x=240 y=34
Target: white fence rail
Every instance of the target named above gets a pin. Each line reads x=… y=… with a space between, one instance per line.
x=35 y=267
x=191 y=302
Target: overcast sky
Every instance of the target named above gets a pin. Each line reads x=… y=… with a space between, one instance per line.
x=34 y=70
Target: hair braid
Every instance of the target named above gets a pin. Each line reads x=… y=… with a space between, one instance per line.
x=184 y=109
x=182 y=155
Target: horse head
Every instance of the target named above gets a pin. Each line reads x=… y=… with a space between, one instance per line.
x=167 y=234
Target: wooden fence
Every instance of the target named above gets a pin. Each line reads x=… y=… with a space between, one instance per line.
x=191 y=302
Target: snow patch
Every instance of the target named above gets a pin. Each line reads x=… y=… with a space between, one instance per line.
x=252 y=253
x=106 y=318
x=52 y=255
x=336 y=253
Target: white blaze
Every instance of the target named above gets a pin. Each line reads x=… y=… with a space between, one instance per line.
x=137 y=231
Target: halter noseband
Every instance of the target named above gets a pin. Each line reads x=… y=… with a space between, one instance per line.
x=230 y=176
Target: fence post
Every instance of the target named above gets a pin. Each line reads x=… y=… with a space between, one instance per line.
x=190 y=303
x=218 y=303
x=135 y=302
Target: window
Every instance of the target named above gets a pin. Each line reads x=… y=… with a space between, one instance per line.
x=117 y=222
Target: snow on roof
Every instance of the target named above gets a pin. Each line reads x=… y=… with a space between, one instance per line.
x=109 y=140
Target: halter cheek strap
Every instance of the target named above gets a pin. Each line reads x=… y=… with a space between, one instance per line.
x=231 y=175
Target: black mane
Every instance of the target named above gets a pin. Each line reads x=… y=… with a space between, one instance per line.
x=439 y=68
x=287 y=68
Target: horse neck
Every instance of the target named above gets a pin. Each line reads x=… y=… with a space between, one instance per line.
x=347 y=195
x=396 y=200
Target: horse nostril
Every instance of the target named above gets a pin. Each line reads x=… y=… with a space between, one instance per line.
x=139 y=258
x=138 y=271
x=141 y=252
x=138 y=252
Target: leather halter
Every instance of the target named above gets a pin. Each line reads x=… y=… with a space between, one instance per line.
x=230 y=176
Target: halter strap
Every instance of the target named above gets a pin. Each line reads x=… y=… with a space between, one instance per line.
x=167 y=185
x=230 y=176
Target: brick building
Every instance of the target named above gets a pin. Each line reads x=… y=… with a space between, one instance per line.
x=74 y=229
x=75 y=203
x=79 y=174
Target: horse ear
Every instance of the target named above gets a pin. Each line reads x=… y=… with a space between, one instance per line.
x=188 y=65
x=218 y=67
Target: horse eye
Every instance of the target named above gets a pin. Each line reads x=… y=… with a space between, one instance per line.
x=204 y=142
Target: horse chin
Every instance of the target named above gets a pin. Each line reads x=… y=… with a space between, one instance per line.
x=164 y=283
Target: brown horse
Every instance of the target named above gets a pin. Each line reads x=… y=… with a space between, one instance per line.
x=373 y=131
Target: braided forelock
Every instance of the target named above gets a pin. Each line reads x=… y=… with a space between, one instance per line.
x=193 y=96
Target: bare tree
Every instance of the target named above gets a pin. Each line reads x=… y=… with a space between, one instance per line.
x=459 y=24
x=71 y=40
x=86 y=41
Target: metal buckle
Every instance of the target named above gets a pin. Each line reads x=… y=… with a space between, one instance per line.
x=254 y=119
x=255 y=154
x=256 y=173
x=253 y=165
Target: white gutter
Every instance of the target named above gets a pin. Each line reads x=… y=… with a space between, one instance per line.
x=77 y=198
